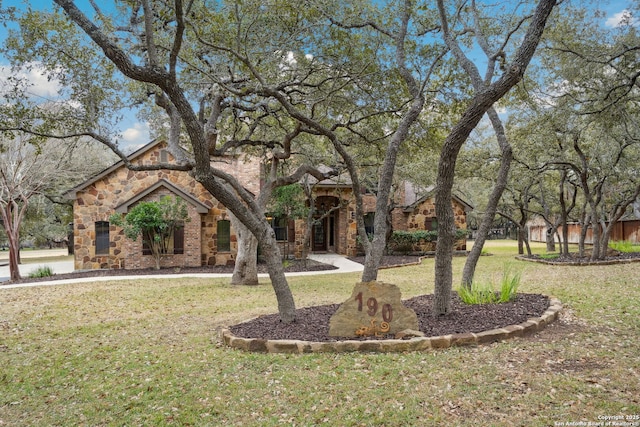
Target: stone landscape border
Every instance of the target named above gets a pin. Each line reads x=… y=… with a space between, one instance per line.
x=531 y=326
x=577 y=263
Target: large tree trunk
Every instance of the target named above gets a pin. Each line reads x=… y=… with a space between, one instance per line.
x=375 y=250
x=526 y=241
x=564 y=212
x=14 y=258
x=11 y=218
x=551 y=238
x=520 y=241
x=245 y=271
x=224 y=188
x=256 y=222
x=273 y=258
x=596 y=232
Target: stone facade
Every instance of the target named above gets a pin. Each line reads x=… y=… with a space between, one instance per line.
x=117 y=189
x=97 y=199
x=422 y=216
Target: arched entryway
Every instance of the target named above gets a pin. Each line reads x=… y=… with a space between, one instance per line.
x=324 y=231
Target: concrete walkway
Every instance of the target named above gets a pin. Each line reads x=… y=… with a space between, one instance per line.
x=344 y=266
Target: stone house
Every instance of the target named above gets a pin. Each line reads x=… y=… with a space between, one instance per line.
x=208 y=238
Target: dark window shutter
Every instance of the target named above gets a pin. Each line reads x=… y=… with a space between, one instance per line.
x=178 y=240
x=291 y=232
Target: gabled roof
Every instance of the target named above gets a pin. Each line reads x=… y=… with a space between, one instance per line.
x=431 y=193
x=71 y=194
x=342 y=180
x=200 y=207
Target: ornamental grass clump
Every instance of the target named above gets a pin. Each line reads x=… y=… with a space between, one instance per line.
x=509 y=285
x=479 y=293
x=43 y=271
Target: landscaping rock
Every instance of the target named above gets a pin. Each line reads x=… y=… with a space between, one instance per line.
x=374 y=308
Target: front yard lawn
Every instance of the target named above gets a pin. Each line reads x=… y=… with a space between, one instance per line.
x=146 y=352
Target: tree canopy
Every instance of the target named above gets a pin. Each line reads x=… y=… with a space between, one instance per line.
x=381 y=90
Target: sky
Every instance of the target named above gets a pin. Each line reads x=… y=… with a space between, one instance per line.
x=135 y=133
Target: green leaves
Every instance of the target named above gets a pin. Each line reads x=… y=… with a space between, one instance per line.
x=155 y=221
x=290 y=201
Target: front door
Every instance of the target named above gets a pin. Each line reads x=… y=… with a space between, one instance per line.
x=319 y=243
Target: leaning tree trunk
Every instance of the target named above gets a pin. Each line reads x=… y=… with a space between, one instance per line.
x=526 y=243
x=492 y=206
x=245 y=271
x=373 y=255
x=273 y=259
x=584 y=227
x=256 y=222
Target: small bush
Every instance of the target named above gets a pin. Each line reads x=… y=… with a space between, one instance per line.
x=417 y=241
x=43 y=271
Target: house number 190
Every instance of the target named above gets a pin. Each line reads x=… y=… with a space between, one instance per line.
x=372 y=308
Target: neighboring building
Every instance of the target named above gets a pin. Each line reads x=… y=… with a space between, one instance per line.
x=624 y=230
x=208 y=238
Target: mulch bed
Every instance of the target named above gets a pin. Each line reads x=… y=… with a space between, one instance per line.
x=312 y=323
x=391 y=260
x=293 y=266
x=574 y=258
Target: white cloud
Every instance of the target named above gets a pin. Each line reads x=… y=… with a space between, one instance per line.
x=33 y=78
x=41 y=85
x=136 y=135
x=620 y=19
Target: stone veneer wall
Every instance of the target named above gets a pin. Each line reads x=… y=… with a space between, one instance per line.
x=415 y=220
x=346 y=229
x=402 y=221
x=97 y=202
x=192 y=242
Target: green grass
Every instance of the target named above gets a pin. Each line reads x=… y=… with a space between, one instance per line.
x=146 y=353
x=624 y=246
